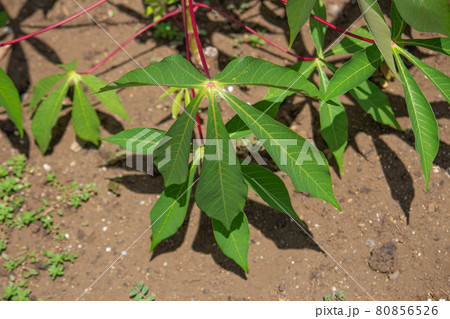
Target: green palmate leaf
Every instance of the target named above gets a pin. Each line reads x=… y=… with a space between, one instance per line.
x=423 y=121
x=10 y=100
x=173 y=71
x=234 y=242
x=3 y=18
x=379 y=30
x=85 y=119
x=297 y=13
x=221 y=191
x=172 y=153
x=439 y=79
x=333 y=122
x=47 y=115
x=137 y=140
x=167 y=93
x=169 y=212
x=441 y=45
x=318 y=29
x=42 y=87
x=176 y=104
x=109 y=99
x=306 y=166
x=374 y=102
x=351 y=45
x=397 y=22
x=270 y=188
x=271 y=103
x=428 y=15
x=361 y=66
x=252 y=71
x=71 y=66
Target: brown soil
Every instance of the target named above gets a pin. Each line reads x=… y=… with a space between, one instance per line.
x=381 y=189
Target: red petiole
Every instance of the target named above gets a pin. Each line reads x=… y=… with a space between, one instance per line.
x=172 y=14
x=254 y=32
x=53 y=26
x=332 y=26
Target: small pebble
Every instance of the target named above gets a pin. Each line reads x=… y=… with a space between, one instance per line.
x=108 y=249
x=105 y=228
x=47 y=167
x=165 y=264
x=394 y=275
x=66 y=235
x=334 y=10
x=124 y=253
x=230 y=89
x=380 y=176
x=370 y=243
x=142 y=202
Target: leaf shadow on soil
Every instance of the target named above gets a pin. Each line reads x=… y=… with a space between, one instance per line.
x=17 y=68
x=20 y=144
x=397 y=176
x=274 y=225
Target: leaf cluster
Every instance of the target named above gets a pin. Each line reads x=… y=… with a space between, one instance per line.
x=222 y=187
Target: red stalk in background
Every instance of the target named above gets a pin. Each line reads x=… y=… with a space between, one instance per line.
x=171 y=14
x=53 y=26
x=332 y=26
x=197 y=39
x=254 y=32
x=188 y=57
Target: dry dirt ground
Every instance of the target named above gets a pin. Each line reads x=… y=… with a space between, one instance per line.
x=381 y=190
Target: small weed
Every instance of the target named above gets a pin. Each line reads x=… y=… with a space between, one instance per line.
x=139 y=292
x=47 y=222
x=3 y=171
x=15 y=292
x=56 y=262
x=51 y=178
x=32 y=257
x=6 y=214
x=338 y=295
x=59 y=237
x=18 y=165
x=255 y=41
x=30 y=272
x=13 y=263
x=3 y=244
x=25 y=219
x=165 y=30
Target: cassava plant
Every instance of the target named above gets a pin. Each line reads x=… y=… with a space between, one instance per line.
x=221 y=187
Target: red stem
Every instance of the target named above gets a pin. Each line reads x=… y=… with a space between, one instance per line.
x=332 y=26
x=53 y=26
x=171 y=14
x=254 y=32
x=188 y=57
x=197 y=39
